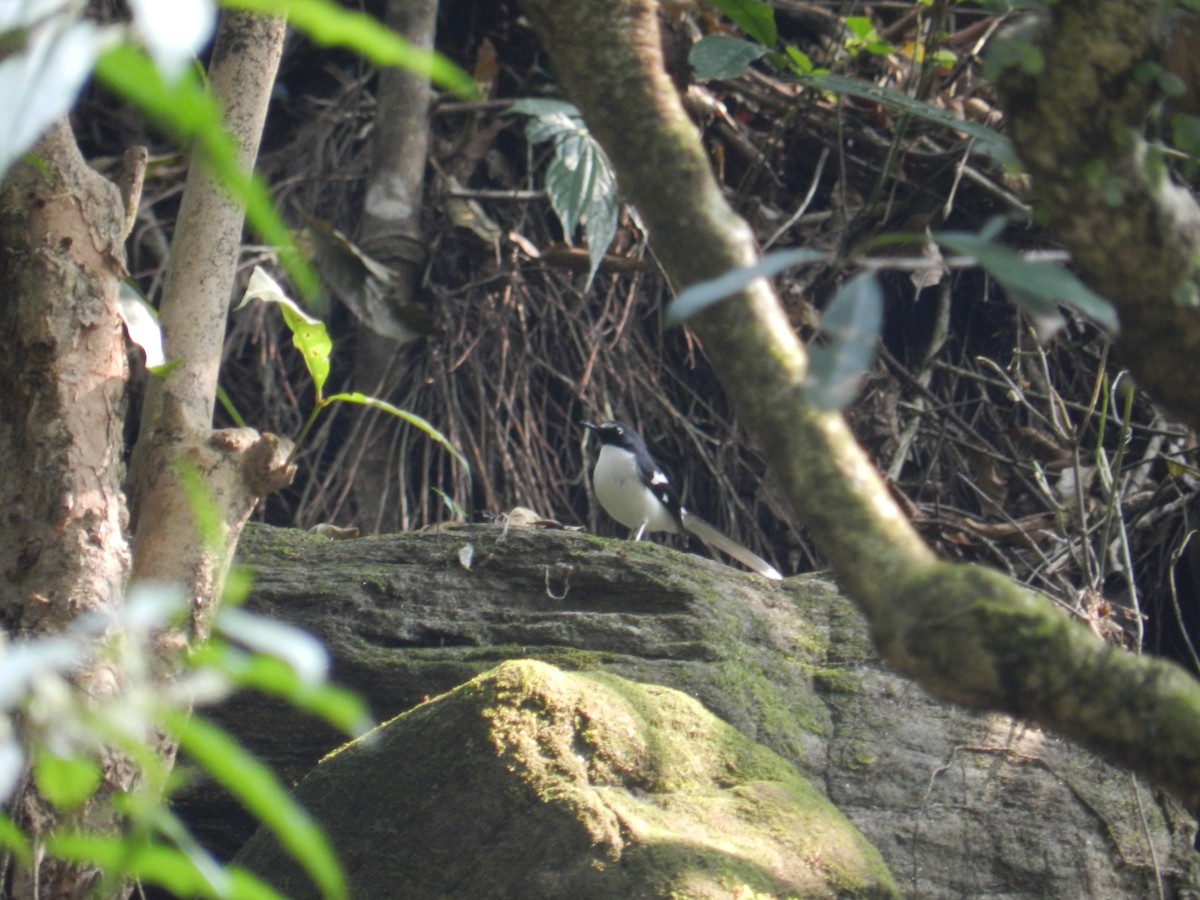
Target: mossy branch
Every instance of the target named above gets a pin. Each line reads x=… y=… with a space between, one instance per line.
x=965 y=633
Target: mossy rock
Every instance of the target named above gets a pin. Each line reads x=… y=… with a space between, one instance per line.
x=529 y=781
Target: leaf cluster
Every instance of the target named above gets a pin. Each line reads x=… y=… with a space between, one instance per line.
x=67 y=740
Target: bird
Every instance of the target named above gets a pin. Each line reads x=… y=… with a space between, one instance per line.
x=633 y=489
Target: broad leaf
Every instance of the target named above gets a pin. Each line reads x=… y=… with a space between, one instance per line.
x=141 y=324
x=309 y=334
x=1038 y=288
x=157 y=864
x=174 y=32
x=40 y=81
x=580 y=182
x=721 y=56
x=66 y=781
x=340 y=708
x=865 y=37
x=755 y=18
x=700 y=296
x=306 y=656
x=851 y=323
x=25 y=662
x=12 y=838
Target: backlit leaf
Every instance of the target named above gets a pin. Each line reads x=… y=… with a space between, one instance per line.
x=851 y=323
x=700 y=296
x=721 y=56
x=1036 y=287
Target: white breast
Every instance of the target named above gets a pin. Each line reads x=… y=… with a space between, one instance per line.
x=624 y=497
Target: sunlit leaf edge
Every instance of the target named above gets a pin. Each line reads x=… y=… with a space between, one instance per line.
x=331 y=25
x=698 y=297
x=258 y=790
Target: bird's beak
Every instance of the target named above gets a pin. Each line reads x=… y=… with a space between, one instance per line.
x=591 y=426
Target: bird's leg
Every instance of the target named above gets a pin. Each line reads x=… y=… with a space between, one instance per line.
x=637 y=536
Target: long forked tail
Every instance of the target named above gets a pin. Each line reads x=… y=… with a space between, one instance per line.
x=718 y=541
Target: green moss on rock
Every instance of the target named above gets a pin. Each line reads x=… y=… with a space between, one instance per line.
x=533 y=782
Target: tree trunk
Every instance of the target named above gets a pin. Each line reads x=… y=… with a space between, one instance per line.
x=63 y=549
x=63 y=536
x=391 y=234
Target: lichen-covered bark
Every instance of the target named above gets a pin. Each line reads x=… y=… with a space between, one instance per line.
x=965 y=633
x=63 y=549
x=1133 y=235
x=62 y=366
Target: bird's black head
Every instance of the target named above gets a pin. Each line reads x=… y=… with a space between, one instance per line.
x=616 y=434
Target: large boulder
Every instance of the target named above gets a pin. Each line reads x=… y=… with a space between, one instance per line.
x=534 y=783
x=957 y=803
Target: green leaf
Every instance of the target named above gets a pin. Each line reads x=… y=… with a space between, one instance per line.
x=411 y=418
x=238 y=585
x=302 y=652
x=851 y=323
x=990 y=141
x=330 y=25
x=755 y=18
x=700 y=296
x=222 y=398
x=800 y=60
x=337 y=706
x=582 y=189
x=866 y=38
x=1038 y=288
x=451 y=504
x=309 y=334
x=13 y=839
x=721 y=56
x=580 y=182
x=257 y=789
x=157 y=864
x=66 y=781
x=189 y=112
x=161 y=372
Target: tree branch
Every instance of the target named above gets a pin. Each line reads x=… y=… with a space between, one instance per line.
x=177 y=446
x=208 y=236
x=966 y=633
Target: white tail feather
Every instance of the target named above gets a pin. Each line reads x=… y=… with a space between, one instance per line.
x=718 y=541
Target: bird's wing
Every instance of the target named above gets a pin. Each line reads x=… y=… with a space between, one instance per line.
x=656 y=480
